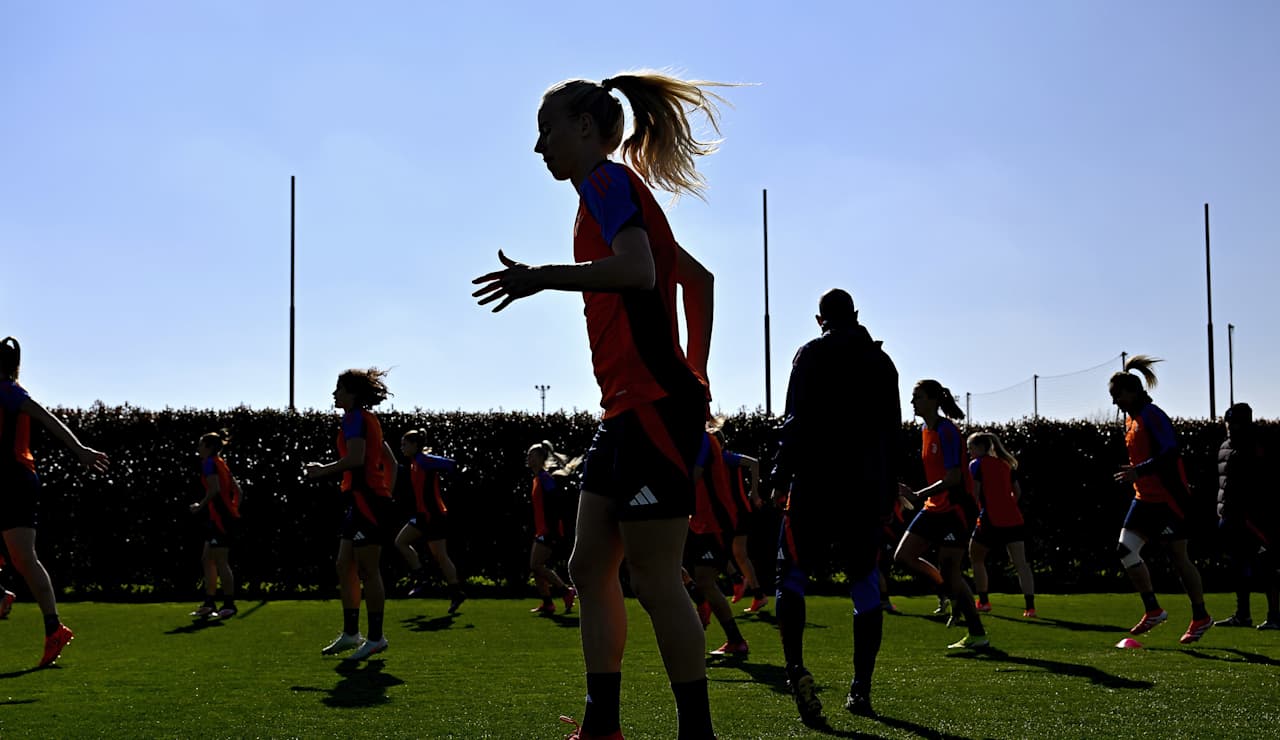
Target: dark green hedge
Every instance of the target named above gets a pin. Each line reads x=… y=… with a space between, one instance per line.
x=128 y=534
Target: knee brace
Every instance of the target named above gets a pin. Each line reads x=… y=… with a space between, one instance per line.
x=866 y=593
x=1130 y=549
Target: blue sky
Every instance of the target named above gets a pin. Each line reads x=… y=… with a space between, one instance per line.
x=1007 y=189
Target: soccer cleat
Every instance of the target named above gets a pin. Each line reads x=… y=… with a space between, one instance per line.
x=581 y=734
x=944 y=608
x=53 y=645
x=704 y=614
x=226 y=612
x=970 y=642
x=1149 y=620
x=570 y=596
x=806 y=696
x=419 y=590
x=1196 y=630
x=732 y=649
x=756 y=605
x=982 y=606
x=6 y=604
x=456 y=602
x=1235 y=620
x=739 y=590
x=343 y=643
x=203 y=611
x=1270 y=624
x=544 y=609
x=955 y=620
x=1029 y=613
x=368 y=649
x=859 y=704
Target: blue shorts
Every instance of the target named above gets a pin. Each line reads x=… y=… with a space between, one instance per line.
x=1155 y=522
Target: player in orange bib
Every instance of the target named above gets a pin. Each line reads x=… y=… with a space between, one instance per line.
x=637 y=489
x=20 y=488
x=222 y=502
x=995 y=485
x=1161 y=497
x=550 y=471
x=367 y=465
x=430 y=519
x=949 y=510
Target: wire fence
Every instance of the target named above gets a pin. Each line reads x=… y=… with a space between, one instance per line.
x=1080 y=394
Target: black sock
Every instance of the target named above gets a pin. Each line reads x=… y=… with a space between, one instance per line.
x=984 y=597
x=736 y=578
x=419 y=573
x=456 y=590
x=601 y=714
x=546 y=601
x=351 y=620
x=51 y=623
x=868 y=628
x=757 y=593
x=1029 y=600
x=1149 y=601
x=790 y=609
x=693 y=710
x=208 y=601
x=375 y=626
x=731 y=631
x=1198 y=611
x=228 y=603
x=1242 y=604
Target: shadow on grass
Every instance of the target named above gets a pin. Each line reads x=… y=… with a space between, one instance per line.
x=23 y=672
x=1059 y=623
x=17 y=701
x=251 y=610
x=360 y=686
x=568 y=621
x=199 y=625
x=1207 y=654
x=771 y=619
x=1096 y=676
x=773 y=676
x=912 y=727
x=423 y=623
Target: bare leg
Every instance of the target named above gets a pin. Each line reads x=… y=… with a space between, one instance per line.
x=348 y=575
x=593 y=567
x=404 y=543
x=743 y=561
x=21 y=542
x=210 y=571
x=440 y=551
x=978 y=556
x=368 y=558
x=220 y=556
x=654 y=550
x=1018 y=554
x=910 y=554
x=1187 y=571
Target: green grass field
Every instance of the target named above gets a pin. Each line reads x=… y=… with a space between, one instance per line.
x=494 y=671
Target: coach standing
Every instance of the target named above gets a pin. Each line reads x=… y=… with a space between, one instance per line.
x=836 y=475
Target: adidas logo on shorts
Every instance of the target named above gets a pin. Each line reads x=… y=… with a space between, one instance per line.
x=1167 y=531
x=357 y=537
x=949 y=538
x=708 y=555
x=644 y=498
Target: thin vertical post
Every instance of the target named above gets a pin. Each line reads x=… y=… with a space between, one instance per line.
x=1035 y=396
x=1231 y=363
x=1213 y=406
x=768 y=374
x=292 y=268
x=542 y=391
x=967 y=413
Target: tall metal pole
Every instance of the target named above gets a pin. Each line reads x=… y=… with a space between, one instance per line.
x=1213 y=406
x=292 y=265
x=967 y=413
x=542 y=391
x=1035 y=396
x=768 y=374
x=1231 y=362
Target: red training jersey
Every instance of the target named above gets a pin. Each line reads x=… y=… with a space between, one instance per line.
x=999 y=505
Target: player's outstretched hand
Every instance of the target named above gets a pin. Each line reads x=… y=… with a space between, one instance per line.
x=517 y=281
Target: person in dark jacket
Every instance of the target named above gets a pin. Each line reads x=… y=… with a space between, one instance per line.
x=836 y=476
x=1247 y=520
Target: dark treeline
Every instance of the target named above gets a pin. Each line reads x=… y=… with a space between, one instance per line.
x=128 y=534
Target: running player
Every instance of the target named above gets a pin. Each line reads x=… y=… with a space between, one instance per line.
x=430 y=520
x=222 y=501
x=995 y=485
x=1161 y=497
x=20 y=488
x=746 y=499
x=714 y=521
x=637 y=486
x=1246 y=519
x=948 y=512
x=836 y=474
x=367 y=464
x=549 y=526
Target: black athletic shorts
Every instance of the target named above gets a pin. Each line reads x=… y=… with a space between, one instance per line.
x=363 y=530
x=1155 y=521
x=643 y=459
x=705 y=550
x=19 y=492
x=994 y=537
x=432 y=527
x=940 y=528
